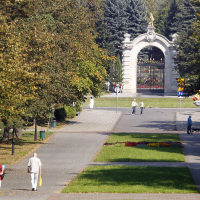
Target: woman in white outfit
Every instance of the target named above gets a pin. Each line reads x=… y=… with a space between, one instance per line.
x=91 y=102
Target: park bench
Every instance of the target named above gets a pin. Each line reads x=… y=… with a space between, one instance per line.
x=196 y=129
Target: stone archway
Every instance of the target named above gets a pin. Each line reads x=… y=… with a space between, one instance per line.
x=131 y=50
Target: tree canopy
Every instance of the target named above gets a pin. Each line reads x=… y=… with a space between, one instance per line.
x=48 y=55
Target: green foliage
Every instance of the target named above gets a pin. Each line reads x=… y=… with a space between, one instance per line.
x=48 y=56
x=115 y=70
x=161 y=20
x=151 y=6
x=124 y=17
x=181 y=15
x=187 y=52
x=70 y=111
x=78 y=107
x=60 y=113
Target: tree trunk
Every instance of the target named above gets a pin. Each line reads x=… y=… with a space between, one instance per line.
x=18 y=132
x=5 y=135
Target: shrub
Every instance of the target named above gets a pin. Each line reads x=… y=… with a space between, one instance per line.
x=60 y=113
x=78 y=107
x=70 y=111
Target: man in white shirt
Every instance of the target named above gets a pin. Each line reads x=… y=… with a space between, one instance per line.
x=134 y=104
x=34 y=167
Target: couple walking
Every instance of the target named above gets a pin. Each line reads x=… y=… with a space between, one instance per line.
x=134 y=105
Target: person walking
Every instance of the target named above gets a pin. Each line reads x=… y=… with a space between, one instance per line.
x=134 y=105
x=1 y=173
x=141 y=107
x=34 y=167
x=189 y=125
x=91 y=102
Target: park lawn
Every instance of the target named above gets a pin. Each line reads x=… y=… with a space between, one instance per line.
x=148 y=102
x=121 y=153
x=131 y=179
x=23 y=146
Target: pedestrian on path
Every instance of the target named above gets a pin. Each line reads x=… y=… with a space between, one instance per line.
x=34 y=167
x=91 y=102
x=1 y=173
x=134 y=105
x=141 y=107
x=189 y=125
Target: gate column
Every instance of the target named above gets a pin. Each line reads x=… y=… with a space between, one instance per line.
x=126 y=62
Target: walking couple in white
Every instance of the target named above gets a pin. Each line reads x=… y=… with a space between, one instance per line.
x=134 y=105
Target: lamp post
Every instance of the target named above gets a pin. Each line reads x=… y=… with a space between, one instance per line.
x=35 y=129
x=53 y=109
x=117 y=90
x=13 y=141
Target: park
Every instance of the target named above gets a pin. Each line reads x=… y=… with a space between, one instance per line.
x=105 y=93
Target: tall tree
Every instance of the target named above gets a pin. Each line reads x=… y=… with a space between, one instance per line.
x=180 y=17
x=187 y=49
x=116 y=19
x=161 y=19
x=124 y=16
x=136 y=15
x=151 y=6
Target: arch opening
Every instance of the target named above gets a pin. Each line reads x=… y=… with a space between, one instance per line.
x=150 y=70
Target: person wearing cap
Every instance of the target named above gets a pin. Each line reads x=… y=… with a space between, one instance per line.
x=134 y=105
x=189 y=125
x=34 y=167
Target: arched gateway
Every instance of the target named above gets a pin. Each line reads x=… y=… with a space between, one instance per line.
x=131 y=50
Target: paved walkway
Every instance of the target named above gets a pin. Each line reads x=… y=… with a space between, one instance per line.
x=93 y=120
x=182 y=116
x=73 y=148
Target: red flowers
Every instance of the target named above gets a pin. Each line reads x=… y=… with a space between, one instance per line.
x=131 y=144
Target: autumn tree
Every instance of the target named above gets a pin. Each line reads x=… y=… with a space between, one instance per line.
x=56 y=51
x=16 y=80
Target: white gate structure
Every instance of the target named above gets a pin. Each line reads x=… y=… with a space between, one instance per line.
x=130 y=51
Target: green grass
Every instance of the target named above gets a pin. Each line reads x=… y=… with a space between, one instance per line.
x=125 y=179
x=121 y=153
x=137 y=137
x=148 y=102
x=23 y=146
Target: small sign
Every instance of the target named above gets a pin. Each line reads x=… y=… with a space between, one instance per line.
x=180 y=93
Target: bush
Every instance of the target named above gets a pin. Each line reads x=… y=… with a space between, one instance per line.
x=60 y=114
x=78 y=107
x=70 y=111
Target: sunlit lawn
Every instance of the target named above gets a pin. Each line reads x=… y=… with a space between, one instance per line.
x=126 y=179
x=22 y=147
x=121 y=153
x=148 y=102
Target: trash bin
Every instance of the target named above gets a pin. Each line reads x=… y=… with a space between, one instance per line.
x=42 y=134
x=54 y=123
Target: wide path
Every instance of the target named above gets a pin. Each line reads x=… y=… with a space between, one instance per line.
x=70 y=151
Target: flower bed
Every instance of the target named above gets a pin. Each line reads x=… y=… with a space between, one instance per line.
x=150 y=144
x=129 y=144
